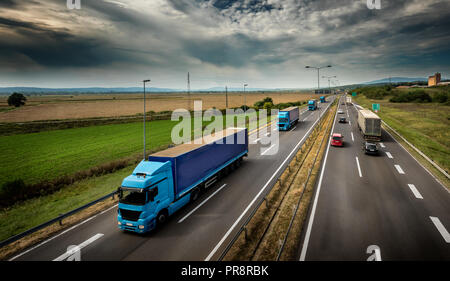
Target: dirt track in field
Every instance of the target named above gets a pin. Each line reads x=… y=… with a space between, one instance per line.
x=89 y=106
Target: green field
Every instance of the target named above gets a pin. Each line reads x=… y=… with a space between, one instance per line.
x=425 y=125
x=48 y=155
x=30 y=213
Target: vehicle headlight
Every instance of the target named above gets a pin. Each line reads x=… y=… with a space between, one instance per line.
x=119 y=223
x=141 y=227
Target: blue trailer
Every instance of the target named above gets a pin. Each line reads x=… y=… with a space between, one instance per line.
x=287 y=118
x=312 y=105
x=171 y=178
x=322 y=99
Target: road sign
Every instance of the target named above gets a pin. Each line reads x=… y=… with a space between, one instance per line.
x=375 y=107
x=354 y=94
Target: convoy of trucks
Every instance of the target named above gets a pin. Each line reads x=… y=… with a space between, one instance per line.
x=170 y=179
x=287 y=118
x=369 y=124
x=312 y=105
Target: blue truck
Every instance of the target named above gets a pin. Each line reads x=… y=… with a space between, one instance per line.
x=312 y=105
x=287 y=118
x=322 y=99
x=170 y=179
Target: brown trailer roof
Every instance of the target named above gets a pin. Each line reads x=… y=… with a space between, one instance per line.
x=186 y=147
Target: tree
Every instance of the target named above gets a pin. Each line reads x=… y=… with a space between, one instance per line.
x=16 y=100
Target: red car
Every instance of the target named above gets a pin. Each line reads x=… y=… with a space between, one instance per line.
x=337 y=140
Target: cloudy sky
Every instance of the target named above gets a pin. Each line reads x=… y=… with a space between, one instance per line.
x=111 y=43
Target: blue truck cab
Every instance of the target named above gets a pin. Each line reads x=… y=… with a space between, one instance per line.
x=170 y=179
x=312 y=105
x=322 y=99
x=287 y=118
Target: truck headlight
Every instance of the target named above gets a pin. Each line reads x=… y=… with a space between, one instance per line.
x=141 y=227
x=119 y=223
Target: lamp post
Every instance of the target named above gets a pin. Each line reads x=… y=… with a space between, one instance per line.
x=329 y=77
x=318 y=75
x=144 y=81
x=245 y=98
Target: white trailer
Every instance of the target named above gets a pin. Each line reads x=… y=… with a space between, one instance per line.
x=348 y=100
x=369 y=124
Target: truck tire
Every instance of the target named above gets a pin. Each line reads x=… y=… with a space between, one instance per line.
x=162 y=217
x=195 y=194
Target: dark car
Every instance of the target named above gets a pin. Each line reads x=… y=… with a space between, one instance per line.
x=342 y=120
x=370 y=148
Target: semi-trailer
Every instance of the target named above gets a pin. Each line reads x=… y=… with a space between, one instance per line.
x=369 y=124
x=322 y=99
x=287 y=118
x=348 y=100
x=312 y=105
x=170 y=179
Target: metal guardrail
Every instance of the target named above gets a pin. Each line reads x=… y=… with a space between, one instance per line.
x=57 y=219
x=244 y=225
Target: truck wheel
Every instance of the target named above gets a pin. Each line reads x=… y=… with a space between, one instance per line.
x=162 y=217
x=195 y=193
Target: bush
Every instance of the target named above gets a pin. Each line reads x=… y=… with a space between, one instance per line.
x=412 y=96
x=441 y=97
x=16 y=100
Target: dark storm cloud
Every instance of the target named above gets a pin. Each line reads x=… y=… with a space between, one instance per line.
x=236 y=50
x=55 y=48
x=253 y=36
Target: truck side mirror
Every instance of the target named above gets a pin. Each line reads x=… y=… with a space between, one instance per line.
x=119 y=192
x=152 y=193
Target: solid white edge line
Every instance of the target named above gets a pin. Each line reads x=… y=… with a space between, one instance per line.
x=199 y=205
x=313 y=211
x=65 y=231
x=415 y=191
x=81 y=246
x=399 y=169
x=219 y=244
x=440 y=227
x=359 y=168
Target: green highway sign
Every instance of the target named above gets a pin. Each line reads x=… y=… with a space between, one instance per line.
x=376 y=107
x=354 y=94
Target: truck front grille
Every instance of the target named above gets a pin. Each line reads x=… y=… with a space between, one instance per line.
x=130 y=215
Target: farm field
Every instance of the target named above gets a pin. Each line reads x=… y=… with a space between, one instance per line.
x=116 y=105
x=425 y=125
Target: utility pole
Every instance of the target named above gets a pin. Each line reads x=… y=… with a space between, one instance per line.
x=245 y=98
x=329 y=77
x=145 y=81
x=189 y=92
x=226 y=97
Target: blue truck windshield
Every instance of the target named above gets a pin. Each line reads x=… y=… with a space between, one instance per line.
x=132 y=197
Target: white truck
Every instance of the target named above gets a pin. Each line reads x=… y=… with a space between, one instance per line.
x=348 y=100
x=369 y=124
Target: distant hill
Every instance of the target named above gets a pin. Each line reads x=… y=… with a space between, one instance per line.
x=34 y=90
x=99 y=90
x=396 y=80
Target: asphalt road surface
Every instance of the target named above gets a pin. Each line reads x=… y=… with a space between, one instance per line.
x=199 y=231
x=385 y=207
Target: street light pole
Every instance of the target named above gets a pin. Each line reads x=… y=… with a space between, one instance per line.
x=145 y=81
x=329 y=77
x=318 y=74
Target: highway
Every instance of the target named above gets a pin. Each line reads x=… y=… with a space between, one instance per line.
x=385 y=207
x=201 y=230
